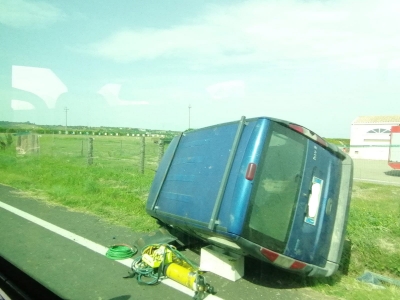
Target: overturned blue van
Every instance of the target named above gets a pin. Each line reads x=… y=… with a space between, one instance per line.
x=261 y=187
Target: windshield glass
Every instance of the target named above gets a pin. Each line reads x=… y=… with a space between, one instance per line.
x=276 y=188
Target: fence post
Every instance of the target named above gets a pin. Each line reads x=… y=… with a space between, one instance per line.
x=142 y=152
x=32 y=146
x=90 y=151
x=160 y=150
x=34 y=138
x=37 y=143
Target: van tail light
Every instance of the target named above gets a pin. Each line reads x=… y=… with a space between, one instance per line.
x=308 y=133
x=298 y=265
x=251 y=171
x=282 y=260
x=298 y=128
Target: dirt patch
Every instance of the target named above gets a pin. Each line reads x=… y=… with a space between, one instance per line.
x=387 y=245
x=360 y=192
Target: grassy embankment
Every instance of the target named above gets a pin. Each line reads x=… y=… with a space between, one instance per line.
x=113 y=189
x=374 y=232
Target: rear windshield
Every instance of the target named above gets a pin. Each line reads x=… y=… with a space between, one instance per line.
x=276 y=188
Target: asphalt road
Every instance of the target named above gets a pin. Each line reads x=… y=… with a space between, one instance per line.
x=73 y=271
x=375 y=171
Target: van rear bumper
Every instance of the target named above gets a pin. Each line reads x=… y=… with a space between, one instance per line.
x=311 y=270
x=342 y=215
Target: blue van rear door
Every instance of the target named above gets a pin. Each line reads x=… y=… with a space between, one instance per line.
x=312 y=227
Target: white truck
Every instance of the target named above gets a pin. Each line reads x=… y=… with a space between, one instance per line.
x=394 y=148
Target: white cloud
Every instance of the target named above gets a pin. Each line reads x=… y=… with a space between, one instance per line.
x=21 y=105
x=227 y=89
x=111 y=92
x=266 y=31
x=28 y=14
x=394 y=64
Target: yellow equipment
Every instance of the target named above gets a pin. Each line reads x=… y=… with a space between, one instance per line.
x=189 y=278
x=169 y=262
x=154 y=257
x=181 y=275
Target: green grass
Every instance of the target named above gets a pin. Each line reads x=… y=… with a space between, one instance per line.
x=338 y=142
x=114 y=189
x=374 y=233
x=375 y=228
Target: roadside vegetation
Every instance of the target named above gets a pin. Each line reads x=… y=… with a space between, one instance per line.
x=114 y=189
x=374 y=235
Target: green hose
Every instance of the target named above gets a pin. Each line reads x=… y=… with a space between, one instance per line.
x=120 y=251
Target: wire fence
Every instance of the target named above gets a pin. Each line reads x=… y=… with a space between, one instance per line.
x=371 y=163
x=125 y=151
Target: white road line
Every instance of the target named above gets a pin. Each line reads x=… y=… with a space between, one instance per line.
x=90 y=245
x=3 y=295
x=60 y=231
x=378 y=181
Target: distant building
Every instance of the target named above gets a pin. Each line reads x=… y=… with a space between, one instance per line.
x=370 y=136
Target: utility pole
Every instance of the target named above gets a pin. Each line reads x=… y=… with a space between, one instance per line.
x=189 y=115
x=66 y=119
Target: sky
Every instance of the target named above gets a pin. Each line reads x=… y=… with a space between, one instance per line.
x=176 y=64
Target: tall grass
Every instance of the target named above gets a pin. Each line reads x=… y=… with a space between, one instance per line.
x=374 y=228
x=374 y=234
x=111 y=188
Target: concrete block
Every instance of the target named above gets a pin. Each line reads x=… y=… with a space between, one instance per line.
x=222 y=262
